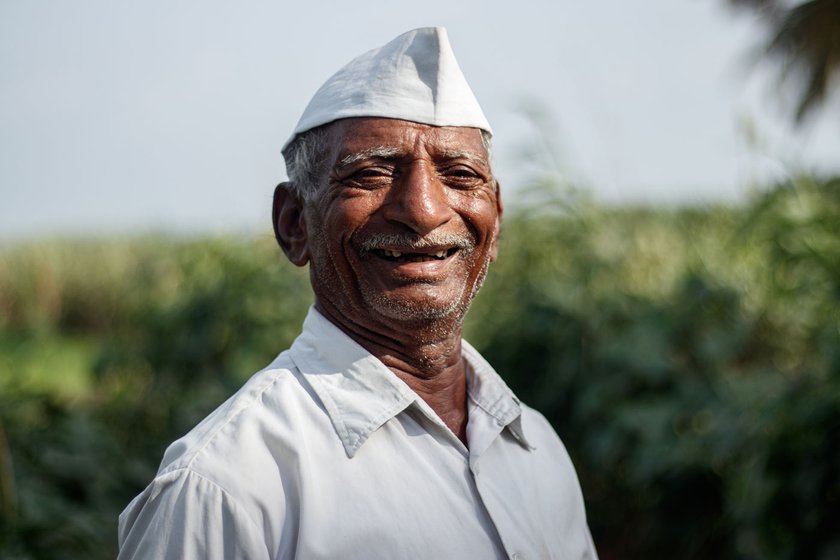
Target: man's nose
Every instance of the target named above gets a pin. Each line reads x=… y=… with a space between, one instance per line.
x=418 y=200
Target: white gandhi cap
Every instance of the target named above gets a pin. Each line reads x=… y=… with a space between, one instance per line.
x=415 y=77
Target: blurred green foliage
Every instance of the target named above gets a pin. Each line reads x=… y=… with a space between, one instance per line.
x=689 y=358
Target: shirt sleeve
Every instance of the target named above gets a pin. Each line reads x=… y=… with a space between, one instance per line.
x=184 y=515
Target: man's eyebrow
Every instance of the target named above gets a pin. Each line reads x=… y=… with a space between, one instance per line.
x=461 y=154
x=377 y=152
x=390 y=152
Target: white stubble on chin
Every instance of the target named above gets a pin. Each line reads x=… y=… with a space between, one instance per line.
x=427 y=312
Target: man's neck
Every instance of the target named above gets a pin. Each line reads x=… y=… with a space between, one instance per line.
x=427 y=357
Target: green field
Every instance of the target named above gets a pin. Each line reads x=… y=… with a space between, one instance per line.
x=689 y=359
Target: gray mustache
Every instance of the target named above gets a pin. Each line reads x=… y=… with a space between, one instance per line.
x=414 y=241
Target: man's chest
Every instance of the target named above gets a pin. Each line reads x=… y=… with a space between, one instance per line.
x=407 y=494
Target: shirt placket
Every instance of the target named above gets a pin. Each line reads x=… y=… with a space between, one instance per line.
x=484 y=430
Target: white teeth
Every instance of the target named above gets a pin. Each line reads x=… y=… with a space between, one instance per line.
x=397 y=254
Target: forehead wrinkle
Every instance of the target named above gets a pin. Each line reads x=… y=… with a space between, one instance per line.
x=376 y=152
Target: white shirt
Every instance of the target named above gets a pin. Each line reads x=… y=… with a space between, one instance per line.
x=327 y=454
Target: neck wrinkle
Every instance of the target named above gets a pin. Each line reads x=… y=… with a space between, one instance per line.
x=435 y=371
x=418 y=354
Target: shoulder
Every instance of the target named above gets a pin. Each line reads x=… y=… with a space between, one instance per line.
x=269 y=407
x=230 y=468
x=535 y=423
x=541 y=435
x=248 y=407
x=167 y=520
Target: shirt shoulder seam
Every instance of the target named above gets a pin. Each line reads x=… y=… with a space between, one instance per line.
x=211 y=437
x=187 y=471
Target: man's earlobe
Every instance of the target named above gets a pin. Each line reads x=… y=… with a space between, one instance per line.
x=494 y=249
x=289 y=224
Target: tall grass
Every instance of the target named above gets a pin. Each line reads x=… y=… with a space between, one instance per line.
x=689 y=358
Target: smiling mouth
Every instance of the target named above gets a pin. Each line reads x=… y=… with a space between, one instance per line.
x=405 y=256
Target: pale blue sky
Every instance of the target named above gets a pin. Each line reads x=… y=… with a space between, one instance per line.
x=144 y=115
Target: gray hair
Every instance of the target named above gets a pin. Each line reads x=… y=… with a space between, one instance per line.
x=306 y=156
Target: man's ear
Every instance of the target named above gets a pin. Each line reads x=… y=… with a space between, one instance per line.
x=289 y=224
x=497 y=233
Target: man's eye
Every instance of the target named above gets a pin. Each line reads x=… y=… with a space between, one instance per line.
x=374 y=172
x=460 y=175
x=370 y=177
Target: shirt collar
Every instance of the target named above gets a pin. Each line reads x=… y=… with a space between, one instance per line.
x=490 y=393
x=360 y=393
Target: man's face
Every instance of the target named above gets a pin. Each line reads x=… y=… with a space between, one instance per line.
x=405 y=221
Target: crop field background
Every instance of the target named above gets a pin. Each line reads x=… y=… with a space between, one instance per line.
x=689 y=358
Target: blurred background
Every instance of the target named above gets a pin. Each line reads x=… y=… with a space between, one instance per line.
x=667 y=293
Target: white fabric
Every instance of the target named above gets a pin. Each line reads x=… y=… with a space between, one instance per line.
x=415 y=77
x=327 y=454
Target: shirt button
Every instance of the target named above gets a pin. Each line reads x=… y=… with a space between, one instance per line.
x=475 y=469
x=516 y=556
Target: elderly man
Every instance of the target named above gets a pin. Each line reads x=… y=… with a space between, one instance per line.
x=380 y=433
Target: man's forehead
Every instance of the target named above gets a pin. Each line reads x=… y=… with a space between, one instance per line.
x=377 y=136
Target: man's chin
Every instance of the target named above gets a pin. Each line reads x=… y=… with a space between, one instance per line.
x=425 y=311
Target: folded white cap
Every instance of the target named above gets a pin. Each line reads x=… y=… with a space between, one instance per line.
x=415 y=77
